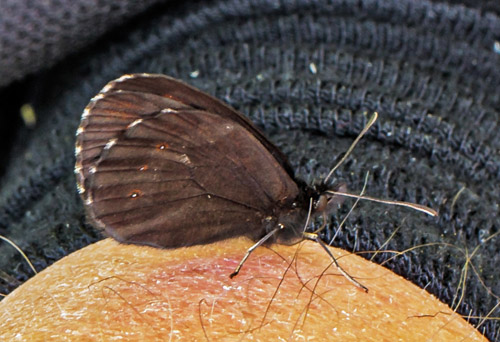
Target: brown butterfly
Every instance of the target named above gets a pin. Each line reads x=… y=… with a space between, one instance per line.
x=161 y=163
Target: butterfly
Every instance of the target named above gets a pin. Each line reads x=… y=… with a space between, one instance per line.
x=160 y=163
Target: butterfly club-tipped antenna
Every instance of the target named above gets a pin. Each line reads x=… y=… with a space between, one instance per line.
x=327 y=200
x=334 y=194
x=324 y=202
x=368 y=125
x=329 y=197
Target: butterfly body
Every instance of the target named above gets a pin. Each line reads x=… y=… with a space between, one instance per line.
x=160 y=163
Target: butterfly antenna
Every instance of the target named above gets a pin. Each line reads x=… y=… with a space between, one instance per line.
x=360 y=135
x=418 y=207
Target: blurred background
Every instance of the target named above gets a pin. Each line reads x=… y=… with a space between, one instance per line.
x=309 y=73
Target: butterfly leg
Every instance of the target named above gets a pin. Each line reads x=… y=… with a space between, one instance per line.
x=315 y=237
x=251 y=249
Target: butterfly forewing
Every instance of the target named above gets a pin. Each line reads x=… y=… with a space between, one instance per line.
x=131 y=97
x=168 y=87
x=162 y=172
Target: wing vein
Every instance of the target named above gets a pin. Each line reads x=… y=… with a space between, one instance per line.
x=101 y=217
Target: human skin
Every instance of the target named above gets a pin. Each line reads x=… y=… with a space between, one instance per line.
x=109 y=291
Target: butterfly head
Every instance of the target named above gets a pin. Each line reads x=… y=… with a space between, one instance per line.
x=326 y=202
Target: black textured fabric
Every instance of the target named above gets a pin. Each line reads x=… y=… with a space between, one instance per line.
x=309 y=73
x=37 y=34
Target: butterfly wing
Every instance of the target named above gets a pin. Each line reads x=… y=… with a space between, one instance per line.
x=155 y=170
x=136 y=96
x=173 y=89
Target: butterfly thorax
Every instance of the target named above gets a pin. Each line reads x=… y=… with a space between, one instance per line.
x=291 y=216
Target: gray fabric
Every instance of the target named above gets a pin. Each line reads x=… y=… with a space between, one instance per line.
x=35 y=35
x=309 y=73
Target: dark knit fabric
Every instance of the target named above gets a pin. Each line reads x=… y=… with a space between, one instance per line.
x=38 y=34
x=309 y=73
